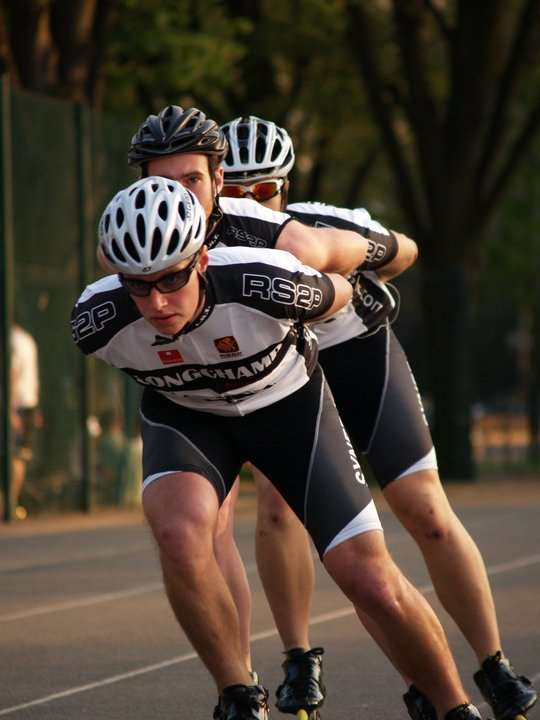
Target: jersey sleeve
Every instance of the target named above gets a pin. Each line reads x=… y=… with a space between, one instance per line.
x=247 y=223
x=271 y=281
x=103 y=309
x=382 y=243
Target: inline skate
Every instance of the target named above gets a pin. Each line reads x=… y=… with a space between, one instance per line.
x=302 y=692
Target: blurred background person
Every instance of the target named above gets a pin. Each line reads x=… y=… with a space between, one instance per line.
x=26 y=415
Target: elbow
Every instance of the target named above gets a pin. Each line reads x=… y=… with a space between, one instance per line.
x=407 y=252
x=343 y=293
x=412 y=255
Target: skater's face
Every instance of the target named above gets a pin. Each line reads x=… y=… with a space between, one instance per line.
x=192 y=170
x=168 y=309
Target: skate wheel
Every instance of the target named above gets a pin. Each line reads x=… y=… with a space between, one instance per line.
x=302 y=715
x=520 y=717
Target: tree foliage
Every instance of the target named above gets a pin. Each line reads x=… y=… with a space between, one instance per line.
x=449 y=88
x=55 y=47
x=433 y=103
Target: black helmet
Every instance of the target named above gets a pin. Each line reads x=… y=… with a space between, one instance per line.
x=174 y=131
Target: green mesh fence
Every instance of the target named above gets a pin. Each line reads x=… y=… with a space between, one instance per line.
x=50 y=223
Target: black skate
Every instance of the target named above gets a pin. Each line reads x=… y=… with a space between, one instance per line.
x=467 y=711
x=302 y=692
x=242 y=702
x=418 y=706
x=509 y=695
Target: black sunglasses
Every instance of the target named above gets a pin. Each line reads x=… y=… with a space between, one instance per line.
x=166 y=284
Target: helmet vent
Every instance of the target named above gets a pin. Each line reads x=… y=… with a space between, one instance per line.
x=117 y=252
x=174 y=241
x=244 y=154
x=106 y=253
x=187 y=240
x=182 y=210
x=119 y=217
x=276 y=150
x=163 y=211
x=156 y=243
x=107 y=222
x=260 y=147
x=140 y=200
x=141 y=230
x=130 y=247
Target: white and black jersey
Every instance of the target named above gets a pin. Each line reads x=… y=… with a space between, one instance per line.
x=372 y=303
x=365 y=366
x=246 y=223
x=247 y=349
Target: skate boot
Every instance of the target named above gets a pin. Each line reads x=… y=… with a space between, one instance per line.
x=467 y=711
x=242 y=702
x=302 y=692
x=418 y=706
x=509 y=695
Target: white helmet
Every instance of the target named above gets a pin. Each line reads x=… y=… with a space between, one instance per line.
x=151 y=225
x=257 y=149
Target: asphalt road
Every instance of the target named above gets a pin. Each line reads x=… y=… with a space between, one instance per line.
x=86 y=631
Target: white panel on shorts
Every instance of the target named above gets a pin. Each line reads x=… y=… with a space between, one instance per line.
x=428 y=462
x=366 y=520
x=155 y=476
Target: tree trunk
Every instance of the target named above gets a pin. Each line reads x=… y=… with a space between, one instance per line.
x=446 y=303
x=533 y=395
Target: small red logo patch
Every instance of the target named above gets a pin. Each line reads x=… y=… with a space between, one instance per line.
x=169 y=357
x=226 y=345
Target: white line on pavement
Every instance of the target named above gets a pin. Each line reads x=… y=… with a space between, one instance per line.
x=263 y=635
x=154 y=587
x=89 y=600
x=82 y=602
x=13 y=566
x=317 y=620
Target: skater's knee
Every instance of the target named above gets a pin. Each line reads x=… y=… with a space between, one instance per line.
x=379 y=594
x=422 y=507
x=182 y=542
x=429 y=523
x=367 y=575
x=181 y=510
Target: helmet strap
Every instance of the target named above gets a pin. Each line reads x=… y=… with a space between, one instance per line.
x=285 y=195
x=213 y=221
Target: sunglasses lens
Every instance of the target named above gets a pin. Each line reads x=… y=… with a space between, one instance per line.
x=233 y=191
x=166 y=284
x=138 y=288
x=265 y=190
x=174 y=281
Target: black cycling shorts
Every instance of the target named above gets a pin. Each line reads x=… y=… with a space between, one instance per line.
x=378 y=401
x=299 y=443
